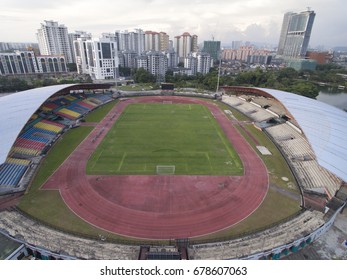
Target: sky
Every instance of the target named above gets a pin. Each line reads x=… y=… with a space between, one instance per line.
x=222 y=20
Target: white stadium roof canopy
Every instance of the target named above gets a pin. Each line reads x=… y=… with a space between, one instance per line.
x=324 y=126
x=15 y=111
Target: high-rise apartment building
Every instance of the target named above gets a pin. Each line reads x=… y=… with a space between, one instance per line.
x=172 y=59
x=185 y=44
x=151 y=41
x=157 y=65
x=198 y=62
x=74 y=36
x=10 y=46
x=295 y=34
x=131 y=41
x=53 y=39
x=236 y=44
x=156 y=41
x=164 y=42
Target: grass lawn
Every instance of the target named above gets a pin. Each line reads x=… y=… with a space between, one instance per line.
x=149 y=134
x=98 y=114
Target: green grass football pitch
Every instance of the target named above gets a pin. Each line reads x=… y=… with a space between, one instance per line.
x=148 y=135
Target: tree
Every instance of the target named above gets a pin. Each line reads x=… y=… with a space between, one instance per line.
x=124 y=71
x=305 y=88
x=143 y=76
x=288 y=73
x=72 y=67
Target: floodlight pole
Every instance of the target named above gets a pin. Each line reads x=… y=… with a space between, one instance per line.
x=218 y=77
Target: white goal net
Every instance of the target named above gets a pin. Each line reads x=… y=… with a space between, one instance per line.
x=165 y=169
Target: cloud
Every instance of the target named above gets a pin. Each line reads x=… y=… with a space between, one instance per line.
x=226 y=20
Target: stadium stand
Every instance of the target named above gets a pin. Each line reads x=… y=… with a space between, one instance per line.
x=30 y=144
x=69 y=114
x=50 y=126
x=44 y=126
x=282 y=132
x=310 y=175
x=316 y=178
x=12 y=171
x=57 y=241
x=254 y=112
x=301 y=157
x=263 y=241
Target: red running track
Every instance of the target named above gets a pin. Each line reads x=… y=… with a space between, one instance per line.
x=161 y=207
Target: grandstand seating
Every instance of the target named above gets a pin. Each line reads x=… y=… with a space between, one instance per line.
x=310 y=175
x=313 y=176
x=24 y=151
x=252 y=111
x=86 y=105
x=261 y=241
x=78 y=108
x=12 y=171
x=50 y=126
x=72 y=115
x=30 y=144
x=282 y=132
x=40 y=132
x=297 y=149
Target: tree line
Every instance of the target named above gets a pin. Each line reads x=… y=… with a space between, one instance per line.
x=287 y=79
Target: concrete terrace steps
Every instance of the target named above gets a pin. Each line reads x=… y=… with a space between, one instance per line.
x=37 y=234
x=262 y=241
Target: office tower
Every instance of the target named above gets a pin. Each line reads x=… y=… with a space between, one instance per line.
x=295 y=34
x=212 y=48
x=54 y=40
x=185 y=44
x=97 y=57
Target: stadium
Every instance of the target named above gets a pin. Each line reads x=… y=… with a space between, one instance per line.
x=91 y=173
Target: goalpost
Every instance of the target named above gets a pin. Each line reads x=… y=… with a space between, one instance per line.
x=165 y=169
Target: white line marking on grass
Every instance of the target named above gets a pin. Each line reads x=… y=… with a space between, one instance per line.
x=97 y=159
x=209 y=161
x=121 y=162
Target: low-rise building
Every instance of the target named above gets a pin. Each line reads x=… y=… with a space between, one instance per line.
x=25 y=62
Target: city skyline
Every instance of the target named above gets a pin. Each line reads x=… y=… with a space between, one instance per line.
x=226 y=21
